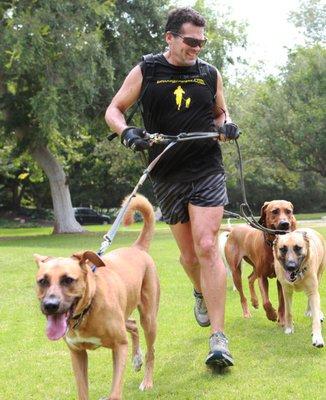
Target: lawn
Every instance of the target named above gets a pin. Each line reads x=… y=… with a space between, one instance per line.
x=268 y=364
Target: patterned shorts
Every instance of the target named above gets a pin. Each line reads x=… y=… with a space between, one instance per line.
x=173 y=198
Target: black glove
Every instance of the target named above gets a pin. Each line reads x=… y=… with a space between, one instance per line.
x=230 y=130
x=134 y=138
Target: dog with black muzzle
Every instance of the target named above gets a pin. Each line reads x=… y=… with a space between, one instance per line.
x=92 y=309
x=255 y=247
x=300 y=259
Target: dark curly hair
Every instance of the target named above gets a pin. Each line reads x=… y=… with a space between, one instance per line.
x=179 y=16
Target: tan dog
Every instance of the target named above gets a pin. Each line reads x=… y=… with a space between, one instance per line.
x=300 y=259
x=255 y=247
x=92 y=309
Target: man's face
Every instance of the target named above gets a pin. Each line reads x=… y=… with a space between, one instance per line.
x=181 y=53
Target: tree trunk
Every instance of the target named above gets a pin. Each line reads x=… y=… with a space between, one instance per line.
x=64 y=218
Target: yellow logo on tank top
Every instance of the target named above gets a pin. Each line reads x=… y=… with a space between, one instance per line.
x=179 y=98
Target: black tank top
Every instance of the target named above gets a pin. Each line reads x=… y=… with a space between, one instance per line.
x=178 y=99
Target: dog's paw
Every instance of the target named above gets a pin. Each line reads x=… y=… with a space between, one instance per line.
x=289 y=330
x=146 y=385
x=317 y=340
x=137 y=361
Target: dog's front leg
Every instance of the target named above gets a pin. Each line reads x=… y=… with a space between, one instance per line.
x=79 y=361
x=269 y=310
x=119 y=355
x=288 y=319
x=314 y=301
x=280 y=311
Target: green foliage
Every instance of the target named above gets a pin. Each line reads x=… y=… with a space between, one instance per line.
x=136 y=28
x=291 y=114
x=223 y=35
x=53 y=63
x=310 y=18
x=283 y=142
x=20 y=179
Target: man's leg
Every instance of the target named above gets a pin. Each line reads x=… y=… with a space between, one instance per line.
x=188 y=259
x=205 y=223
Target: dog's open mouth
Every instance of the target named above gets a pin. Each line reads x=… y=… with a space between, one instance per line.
x=291 y=276
x=57 y=325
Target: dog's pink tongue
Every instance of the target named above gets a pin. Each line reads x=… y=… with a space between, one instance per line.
x=56 y=327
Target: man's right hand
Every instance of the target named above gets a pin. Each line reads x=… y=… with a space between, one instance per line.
x=134 y=138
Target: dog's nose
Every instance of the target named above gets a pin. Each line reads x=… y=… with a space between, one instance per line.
x=51 y=305
x=284 y=225
x=291 y=265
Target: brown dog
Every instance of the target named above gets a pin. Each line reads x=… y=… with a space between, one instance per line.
x=300 y=259
x=255 y=247
x=91 y=309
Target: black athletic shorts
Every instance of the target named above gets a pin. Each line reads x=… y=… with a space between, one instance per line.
x=173 y=198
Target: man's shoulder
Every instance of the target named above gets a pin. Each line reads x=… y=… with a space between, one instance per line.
x=151 y=58
x=205 y=65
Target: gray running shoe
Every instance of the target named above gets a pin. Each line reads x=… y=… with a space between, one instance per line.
x=219 y=354
x=200 y=310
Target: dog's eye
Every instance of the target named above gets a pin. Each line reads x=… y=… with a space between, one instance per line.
x=288 y=212
x=43 y=282
x=275 y=212
x=297 y=249
x=283 y=250
x=66 y=281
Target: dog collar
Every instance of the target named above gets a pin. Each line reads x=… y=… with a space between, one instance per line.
x=269 y=241
x=79 y=317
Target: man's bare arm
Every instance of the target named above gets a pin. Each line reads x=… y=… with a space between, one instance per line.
x=124 y=99
x=220 y=104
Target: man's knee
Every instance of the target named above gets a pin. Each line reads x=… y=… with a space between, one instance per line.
x=206 y=246
x=188 y=260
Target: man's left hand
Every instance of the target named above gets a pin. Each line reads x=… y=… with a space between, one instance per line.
x=229 y=131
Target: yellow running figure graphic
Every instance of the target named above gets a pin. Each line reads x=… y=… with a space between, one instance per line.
x=179 y=92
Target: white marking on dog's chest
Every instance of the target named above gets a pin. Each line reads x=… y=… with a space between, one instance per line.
x=77 y=339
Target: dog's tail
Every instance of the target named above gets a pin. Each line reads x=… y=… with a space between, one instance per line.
x=222 y=239
x=141 y=204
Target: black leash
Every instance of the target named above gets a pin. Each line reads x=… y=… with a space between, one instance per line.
x=245 y=210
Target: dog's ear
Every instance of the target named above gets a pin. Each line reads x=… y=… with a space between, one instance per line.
x=90 y=256
x=305 y=236
x=307 y=240
x=293 y=223
x=40 y=259
x=89 y=278
x=262 y=219
x=293 y=220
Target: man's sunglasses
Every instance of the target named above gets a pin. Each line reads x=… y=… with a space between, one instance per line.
x=189 y=41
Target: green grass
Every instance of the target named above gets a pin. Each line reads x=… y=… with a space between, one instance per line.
x=269 y=365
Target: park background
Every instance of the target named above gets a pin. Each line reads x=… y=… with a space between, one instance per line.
x=61 y=63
